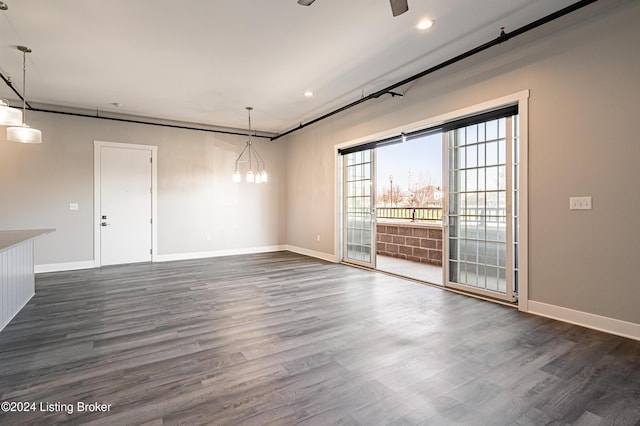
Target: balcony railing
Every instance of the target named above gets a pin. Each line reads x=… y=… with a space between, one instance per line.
x=434 y=214
x=414 y=214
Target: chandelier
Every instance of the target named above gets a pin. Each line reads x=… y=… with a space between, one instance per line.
x=252 y=157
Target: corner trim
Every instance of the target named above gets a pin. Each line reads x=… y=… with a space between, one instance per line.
x=596 y=322
x=312 y=253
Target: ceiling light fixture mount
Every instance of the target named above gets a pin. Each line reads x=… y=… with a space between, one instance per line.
x=3 y=6
x=24 y=133
x=254 y=157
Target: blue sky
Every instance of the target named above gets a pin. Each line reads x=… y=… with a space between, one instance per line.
x=421 y=157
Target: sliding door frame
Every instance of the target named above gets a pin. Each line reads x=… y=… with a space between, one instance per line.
x=521 y=99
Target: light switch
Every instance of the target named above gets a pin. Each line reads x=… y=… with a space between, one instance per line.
x=579 y=203
x=73 y=206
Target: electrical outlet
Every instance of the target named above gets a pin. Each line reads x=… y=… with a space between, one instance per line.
x=73 y=206
x=208 y=237
x=579 y=203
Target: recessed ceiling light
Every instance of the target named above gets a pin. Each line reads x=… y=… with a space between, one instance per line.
x=424 y=24
x=308 y=93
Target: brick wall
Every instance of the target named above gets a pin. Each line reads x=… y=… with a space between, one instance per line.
x=418 y=243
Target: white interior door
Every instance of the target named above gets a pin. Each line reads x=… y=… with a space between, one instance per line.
x=125 y=191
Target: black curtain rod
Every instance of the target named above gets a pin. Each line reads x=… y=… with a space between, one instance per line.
x=126 y=120
x=501 y=39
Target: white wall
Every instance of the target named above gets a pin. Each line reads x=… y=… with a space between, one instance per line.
x=582 y=72
x=195 y=194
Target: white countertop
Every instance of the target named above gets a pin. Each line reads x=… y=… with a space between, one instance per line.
x=10 y=239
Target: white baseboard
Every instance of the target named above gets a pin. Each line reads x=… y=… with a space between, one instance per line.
x=585 y=319
x=217 y=253
x=69 y=266
x=312 y=253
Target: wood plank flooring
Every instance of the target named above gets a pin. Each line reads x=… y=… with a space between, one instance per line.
x=284 y=339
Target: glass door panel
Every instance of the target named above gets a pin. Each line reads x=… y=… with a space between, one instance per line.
x=359 y=208
x=481 y=185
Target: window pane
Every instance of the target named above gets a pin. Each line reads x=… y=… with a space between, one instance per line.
x=472 y=156
x=492 y=153
x=492 y=130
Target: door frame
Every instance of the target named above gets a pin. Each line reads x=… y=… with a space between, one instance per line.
x=97 y=149
x=522 y=99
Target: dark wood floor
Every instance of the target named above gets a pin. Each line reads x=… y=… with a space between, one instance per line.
x=284 y=339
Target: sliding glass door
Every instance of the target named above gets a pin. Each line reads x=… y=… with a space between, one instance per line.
x=481 y=213
x=359 y=219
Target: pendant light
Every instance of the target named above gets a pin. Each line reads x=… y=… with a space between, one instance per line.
x=8 y=116
x=254 y=157
x=24 y=133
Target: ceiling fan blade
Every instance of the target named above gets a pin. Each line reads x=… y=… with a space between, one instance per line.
x=305 y=2
x=398 y=7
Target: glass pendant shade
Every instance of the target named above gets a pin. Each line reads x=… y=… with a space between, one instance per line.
x=258 y=178
x=24 y=134
x=250 y=177
x=236 y=177
x=9 y=116
x=264 y=176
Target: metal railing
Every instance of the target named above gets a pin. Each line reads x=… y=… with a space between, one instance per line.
x=414 y=214
x=434 y=214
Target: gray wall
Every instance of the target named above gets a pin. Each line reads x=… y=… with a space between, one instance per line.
x=195 y=194
x=583 y=75
x=582 y=72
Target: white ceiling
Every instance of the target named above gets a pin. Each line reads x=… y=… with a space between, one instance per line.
x=203 y=61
